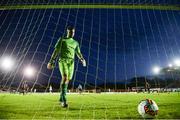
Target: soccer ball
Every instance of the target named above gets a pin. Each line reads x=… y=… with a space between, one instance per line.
x=148 y=108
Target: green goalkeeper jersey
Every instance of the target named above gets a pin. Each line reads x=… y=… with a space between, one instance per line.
x=67 y=48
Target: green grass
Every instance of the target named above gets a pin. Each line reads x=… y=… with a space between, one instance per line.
x=89 y=6
x=89 y=106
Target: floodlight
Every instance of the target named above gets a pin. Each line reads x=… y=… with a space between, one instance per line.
x=177 y=62
x=7 y=63
x=170 y=65
x=29 y=71
x=156 y=70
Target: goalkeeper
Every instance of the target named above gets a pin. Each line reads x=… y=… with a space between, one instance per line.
x=66 y=48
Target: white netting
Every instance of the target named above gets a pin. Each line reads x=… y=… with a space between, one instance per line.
x=121 y=46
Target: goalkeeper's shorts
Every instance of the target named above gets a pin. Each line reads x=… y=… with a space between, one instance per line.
x=66 y=67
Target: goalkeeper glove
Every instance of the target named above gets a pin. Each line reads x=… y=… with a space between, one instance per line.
x=52 y=64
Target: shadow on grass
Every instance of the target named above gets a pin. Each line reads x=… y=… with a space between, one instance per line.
x=3 y=115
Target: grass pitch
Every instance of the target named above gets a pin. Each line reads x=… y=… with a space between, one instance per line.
x=85 y=106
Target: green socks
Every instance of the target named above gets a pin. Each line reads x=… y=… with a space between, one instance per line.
x=63 y=92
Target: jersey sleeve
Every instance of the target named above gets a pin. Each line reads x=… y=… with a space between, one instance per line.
x=78 y=52
x=56 y=51
x=58 y=45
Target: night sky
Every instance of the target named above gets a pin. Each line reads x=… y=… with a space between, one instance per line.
x=117 y=44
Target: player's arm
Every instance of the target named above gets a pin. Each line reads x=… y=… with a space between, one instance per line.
x=80 y=56
x=51 y=63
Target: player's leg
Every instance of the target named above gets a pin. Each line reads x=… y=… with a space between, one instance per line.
x=148 y=90
x=66 y=78
x=64 y=86
x=64 y=82
x=71 y=69
x=67 y=70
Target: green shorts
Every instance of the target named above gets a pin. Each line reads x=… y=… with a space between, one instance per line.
x=66 y=67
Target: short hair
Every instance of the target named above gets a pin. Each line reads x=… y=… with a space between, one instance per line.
x=70 y=28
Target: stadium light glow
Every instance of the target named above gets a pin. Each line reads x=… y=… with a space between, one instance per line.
x=177 y=62
x=156 y=70
x=29 y=71
x=7 y=63
x=170 y=65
